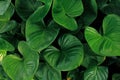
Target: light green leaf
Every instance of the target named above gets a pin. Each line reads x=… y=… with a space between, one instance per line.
x=39 y=36
x=96 y=73
x=46 y=72
x=8 y=14
x=68 y=57
x=107 y=43
x=64 y=11
x=21 y=68
x=4 y=4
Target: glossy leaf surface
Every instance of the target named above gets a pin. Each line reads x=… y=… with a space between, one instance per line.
x=68 y=57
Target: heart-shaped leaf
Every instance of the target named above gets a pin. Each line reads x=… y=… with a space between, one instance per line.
x=39 y=36
x=107 y=43
x=68 y=57
x=96 y=73
x=89 y=14
x=21 y=68
x=4 y=4
x=64 y=11
x=46 y=72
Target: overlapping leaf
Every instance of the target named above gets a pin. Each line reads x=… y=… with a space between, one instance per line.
x=46 y=72
x=64 y=11
x=108 y=43
x=21 y=68
x=96 y=73
x=68 y=57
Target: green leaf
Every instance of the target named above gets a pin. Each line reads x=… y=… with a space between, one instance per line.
x=96 y=73
x=90 y=58
x=108 y=43
x=101 y=3
x=46 y=72
x=116 y=76
x=4 y=4
x=39 y=36
x=29 y=7
x=4 y=27
x=26 y=8
x=21 y=68
x=112 y=7
x=2 y=55
x=64 y=11
x=89 y=14
x=8 y=14
x=68 y=57
x=5 y=45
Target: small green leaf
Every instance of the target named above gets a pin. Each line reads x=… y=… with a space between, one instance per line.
x=8 y=14
x=21 y=68
x=2 y=55
x=68 y=57
x=39 y=36
x=5 y=45
x=7 y=26
x=64 y=11
x=46 y=72
x=96 y=73
x=116 y=76
x=108 y=43
x=4 y=4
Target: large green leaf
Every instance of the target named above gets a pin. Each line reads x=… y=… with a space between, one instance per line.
x=96 y=73
x=39 y=36
x=107 y=43
x=90 y=58
x=64 y=11
x=46 y=72
x=7 y=26
x=21 y=68
x=89 y=14
x=27 y=7
x=4 y=4
x=68 y=57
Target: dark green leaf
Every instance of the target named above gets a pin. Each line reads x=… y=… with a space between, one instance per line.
x=21 y=68
x=46 y=72
x=116 y=76
x=68 y=57
x=89 y=14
